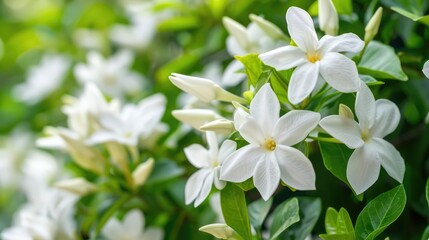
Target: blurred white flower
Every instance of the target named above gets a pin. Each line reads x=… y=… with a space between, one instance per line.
x=376 y=120
x=269 y=157
x=132 y=227
x=113 y=75
x=315 y=60
x=208 y=161
x=134 y=122
x=89 y=39
x=43 y=79
x=328 y=17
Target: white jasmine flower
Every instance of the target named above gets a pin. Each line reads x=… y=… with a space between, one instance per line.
x=269 y=157
x=43 y=79
x=134 y=122
x=426 y=69
x=328 y=17
x=132 y=227
x=376 y=120
x=315 y=59
x=209 y=162
x=113 y=75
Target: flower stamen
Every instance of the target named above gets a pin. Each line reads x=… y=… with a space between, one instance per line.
x=313 y=58
x=270 y=144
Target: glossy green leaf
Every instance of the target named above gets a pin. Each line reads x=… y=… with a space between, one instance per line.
x=427 y=191
x=309 y=212
x=381 y=61
x=246 y=185
x=338 y=225
x=412 y=16
x=284 y=216
x=258 y=210
x=234 y=209
x=253 y=66
x=380 y=212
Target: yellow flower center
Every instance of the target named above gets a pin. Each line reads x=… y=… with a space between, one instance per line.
x=313 y=57
x=270 y=144
x=365 y=135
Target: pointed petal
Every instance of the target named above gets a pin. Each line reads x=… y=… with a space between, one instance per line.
x=363 y=168
x=134 y=223
x=344 y=129
x=265 y=109
x=231 y=76
x=197 y=155
x=294 y=126
x=213 y=144
x=251 y=131
x=340 y=72
x=301 y=29
x=387 y=117
x=194 y=185
x=237 y=31
x=296 y=169
x=390 y=159
x=303 y=81
x=240 y=165
x=284 y=58
x=226 y=149
x=266 y=176
x=365 y=107
x=426 y=69
x=219 y=184
x=348 y=42
x=240 y=117
x=205 y=190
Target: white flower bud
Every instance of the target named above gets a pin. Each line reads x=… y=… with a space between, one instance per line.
x=237 y=31
x=204 y=89
x=219 y=230
x=328 y=17
x=195 y=117
x=79 y=186
x=222 y=126
x=345 y=111
x=142 y=172
x=373 y=25
x=269 y=28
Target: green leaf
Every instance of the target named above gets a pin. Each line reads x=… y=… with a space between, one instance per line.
x=338 y=225
x=284 y=216
x=253 y=66
x=412 y=16
x=179 y=23
x=164 y=170
x=380 y=61
x=427 y=191
x=234 y=209
x=246 y=185
x=309 y=212
x=258 y=210
x=379 y=213
x=425 y=235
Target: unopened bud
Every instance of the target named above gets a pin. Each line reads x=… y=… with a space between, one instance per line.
x=142 y=172
x=269 y=28
x=373 y=25
x=195 y=117
x=223 y=126
x=237 y=31
x=328 y=17
x=79 y=186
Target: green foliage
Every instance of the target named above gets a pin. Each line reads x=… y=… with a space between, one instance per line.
x=258 y=211
x=338 y=225
x=284 y=216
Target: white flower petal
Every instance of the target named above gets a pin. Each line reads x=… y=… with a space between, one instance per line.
x=231 y=76
x=340 y=72
x=302 y=82
x=152 y=234
x=387 y=117
x=328 y=17
x=134 y=223
x=390 y=158
x=197 y=155
x=251 y=131
x=233 y=47
x=294 y=126
x=113 y=229
x=213 y=144
x=240 y=165
x=344 y=129
x=194 y=185
x=284 y=58
x=426 y=69
x=240 y=117
x=226 y=149
x=365 y=107
x=348 y=42
x=205 y=190
x=301 y=29
x=237 y=31
x=296 y=169
x=363 y=168
x=266 y=176
x=265 y=108
x=219 y=184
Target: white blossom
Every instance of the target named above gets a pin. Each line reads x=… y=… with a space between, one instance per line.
x=315 y=60
x=208 y=161
x=269 y=157
x=377 y=119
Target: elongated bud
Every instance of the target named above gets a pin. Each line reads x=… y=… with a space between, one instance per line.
x=79 y=186
x=373 y=25
x=237 y=31
x=222 y=126
x=219 y=230
x=142 y=172
x=195 y=117
x=269 y=28
x=328 y=17
x=202 y=88
x=345 y=111
x=118 y=154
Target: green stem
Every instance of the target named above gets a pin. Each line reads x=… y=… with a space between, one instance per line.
x=325 y=139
